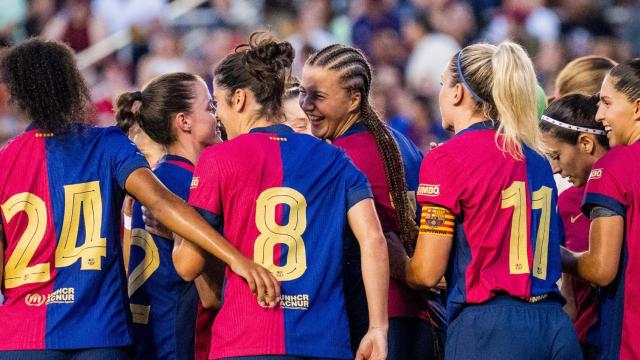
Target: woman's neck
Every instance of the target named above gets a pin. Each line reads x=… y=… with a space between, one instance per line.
x=635 y=134
x=188 y=150
x=344 y=126
x=467 y=121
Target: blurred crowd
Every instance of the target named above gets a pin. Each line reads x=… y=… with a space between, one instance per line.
x=409 y=42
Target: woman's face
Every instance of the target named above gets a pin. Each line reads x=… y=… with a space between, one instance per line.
x=616 y=113
x=568 y=160
x=324 y=100
x=446 y=102
x=225 y=113
x=295 y=117
x=204 y=126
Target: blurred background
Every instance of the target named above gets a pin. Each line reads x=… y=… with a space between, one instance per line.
x=121 y=44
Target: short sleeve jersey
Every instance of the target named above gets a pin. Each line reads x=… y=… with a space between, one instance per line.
x=164 y=307
x=361 y=147
x=508 y=232
x=282 y=200
x=61 y=197
x=614 y=184
x=576 y=230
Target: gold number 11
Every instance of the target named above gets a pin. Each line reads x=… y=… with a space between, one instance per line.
x=515 y=196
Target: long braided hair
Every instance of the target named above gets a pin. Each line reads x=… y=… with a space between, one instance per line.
x=356 y=75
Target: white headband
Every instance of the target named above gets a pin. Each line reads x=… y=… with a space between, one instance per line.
x=572 y=127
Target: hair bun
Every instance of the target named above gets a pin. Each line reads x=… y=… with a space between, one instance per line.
x=263 y=48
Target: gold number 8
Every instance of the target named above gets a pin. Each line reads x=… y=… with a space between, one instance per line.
x=290 y=234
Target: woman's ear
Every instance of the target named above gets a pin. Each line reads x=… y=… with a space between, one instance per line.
x=239 y=100
x=182 y=121
x=355 y=100
x=586 y=143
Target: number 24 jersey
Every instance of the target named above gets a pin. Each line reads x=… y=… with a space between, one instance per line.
x=61 y=197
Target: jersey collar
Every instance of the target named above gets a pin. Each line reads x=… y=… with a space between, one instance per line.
x=170 y=157
x=483 y=125
x=356 y=128
x=273 y=129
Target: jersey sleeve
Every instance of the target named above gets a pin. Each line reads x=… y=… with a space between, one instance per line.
x=357 y=185
x=438 y=182
x=605 y=186
x=124 y=155
x=205 y=193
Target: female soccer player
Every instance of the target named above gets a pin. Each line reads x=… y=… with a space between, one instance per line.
x=489 y=215
x=334 y=93
x=61 y=190
x=284 y=200
x=574 y=141
x=176 y=111
x=611 y=202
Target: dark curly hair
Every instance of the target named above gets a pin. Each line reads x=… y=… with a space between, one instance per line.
x=45 y=84
x=160 y=100
x=262 y=66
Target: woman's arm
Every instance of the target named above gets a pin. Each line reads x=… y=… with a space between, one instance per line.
x=364 y=222
x=600 y=264
x=566 y=288
x=184 y=221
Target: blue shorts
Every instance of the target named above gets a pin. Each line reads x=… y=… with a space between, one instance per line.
x=507 y=328
x=110 y=353
x=413 y=338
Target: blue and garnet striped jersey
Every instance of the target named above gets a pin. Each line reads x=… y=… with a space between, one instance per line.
x=164 y=307
x=61 y=197
x=613 y=184
x=508 y=231
x=360 y=146
x=282 y=198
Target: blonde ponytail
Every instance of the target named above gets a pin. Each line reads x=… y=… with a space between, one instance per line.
x=514 y=93
x=505 y=84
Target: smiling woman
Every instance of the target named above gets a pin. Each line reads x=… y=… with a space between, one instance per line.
x=612 y=201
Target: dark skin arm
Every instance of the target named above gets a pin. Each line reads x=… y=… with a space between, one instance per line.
x=600 y=264
x=180 y=218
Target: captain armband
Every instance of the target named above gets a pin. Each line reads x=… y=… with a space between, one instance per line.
x=436 y=220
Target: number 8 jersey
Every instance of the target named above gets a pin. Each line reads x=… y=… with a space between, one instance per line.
x=282 y=200
x=508 y=233
x=61 y=197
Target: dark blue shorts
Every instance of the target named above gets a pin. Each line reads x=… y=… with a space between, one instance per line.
x=413 y=339
x=507 y=328
x=111 y=353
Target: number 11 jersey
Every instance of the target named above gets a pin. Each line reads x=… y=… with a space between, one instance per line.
x=508 y=232
x=61 y=197
x=282 y=200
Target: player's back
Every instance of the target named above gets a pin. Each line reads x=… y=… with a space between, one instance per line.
x=508 y=233
x=61 y=198
x=282 y=198
x=614 y=184
x=163 y=305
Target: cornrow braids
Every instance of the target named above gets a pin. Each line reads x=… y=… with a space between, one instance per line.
x=356 y=75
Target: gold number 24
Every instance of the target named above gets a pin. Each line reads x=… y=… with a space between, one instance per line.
x=515 y=196
x=83 y=198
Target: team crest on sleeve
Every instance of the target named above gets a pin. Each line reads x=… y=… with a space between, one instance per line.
x=595 y=174
x=437 y=220
x=194 y=182
x=428 y=190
